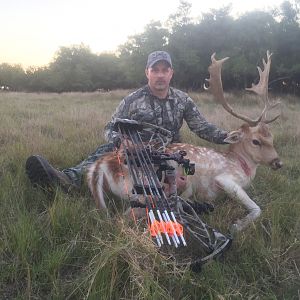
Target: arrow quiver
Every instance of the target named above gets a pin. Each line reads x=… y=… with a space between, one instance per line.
x=153 y=174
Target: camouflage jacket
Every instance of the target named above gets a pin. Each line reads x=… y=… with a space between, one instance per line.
x=168 y=113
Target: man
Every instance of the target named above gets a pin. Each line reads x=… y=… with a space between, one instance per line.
x=156 y=103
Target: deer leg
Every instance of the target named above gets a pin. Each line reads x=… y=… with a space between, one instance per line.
x=96 y=187
x=235 y=191
x=187 y=192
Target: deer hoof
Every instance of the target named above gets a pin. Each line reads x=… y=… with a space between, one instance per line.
x=235 y=228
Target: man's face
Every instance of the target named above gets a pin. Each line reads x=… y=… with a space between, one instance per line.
x=159 y=76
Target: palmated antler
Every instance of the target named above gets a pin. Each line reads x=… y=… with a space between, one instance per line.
x=261 y=89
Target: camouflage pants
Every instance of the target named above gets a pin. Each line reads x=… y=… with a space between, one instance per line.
x=76 y=173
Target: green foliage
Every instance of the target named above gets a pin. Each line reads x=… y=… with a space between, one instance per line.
x=134 y=53
x=181 y=17
x=12 y=76
x=77 y=69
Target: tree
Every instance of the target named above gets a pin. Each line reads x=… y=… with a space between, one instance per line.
x=288 y=44
x=192 y=44
x=12 y=76
x=70 y=70
x=106 y=73
x=181 y=17
x=289 y=13
x=134 y=52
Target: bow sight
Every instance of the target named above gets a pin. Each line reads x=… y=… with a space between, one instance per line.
x=153 y=174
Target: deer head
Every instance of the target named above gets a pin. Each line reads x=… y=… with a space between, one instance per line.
x=253 y=138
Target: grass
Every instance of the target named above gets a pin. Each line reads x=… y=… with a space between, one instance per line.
x=59 y=247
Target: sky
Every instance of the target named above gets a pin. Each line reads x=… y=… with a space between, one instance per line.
x=33 y=30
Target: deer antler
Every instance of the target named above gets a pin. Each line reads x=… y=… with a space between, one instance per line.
x=261 y=89
x=216 y=88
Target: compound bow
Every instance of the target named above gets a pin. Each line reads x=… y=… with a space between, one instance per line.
x=170 y=218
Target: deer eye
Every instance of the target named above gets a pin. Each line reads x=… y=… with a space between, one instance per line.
x=256 y=142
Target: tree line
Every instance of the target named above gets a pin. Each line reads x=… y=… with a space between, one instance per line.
x=190 y=42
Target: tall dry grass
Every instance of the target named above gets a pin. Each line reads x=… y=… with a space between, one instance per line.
x=59 y=247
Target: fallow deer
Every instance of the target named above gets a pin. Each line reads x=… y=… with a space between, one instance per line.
x=215 y=172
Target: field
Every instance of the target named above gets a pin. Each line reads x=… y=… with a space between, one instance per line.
x=60 y=247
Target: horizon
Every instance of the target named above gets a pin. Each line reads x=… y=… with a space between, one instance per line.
x=40 y=29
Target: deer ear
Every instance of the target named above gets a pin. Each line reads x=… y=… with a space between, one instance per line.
x=234 y=137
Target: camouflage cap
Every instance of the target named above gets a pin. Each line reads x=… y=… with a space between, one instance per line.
x=156 y=56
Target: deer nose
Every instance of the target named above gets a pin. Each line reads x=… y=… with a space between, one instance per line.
x=276 y=164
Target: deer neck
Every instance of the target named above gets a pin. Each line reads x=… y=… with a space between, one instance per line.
x=238 y=153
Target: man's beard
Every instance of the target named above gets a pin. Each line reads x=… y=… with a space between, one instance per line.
x=160 y=85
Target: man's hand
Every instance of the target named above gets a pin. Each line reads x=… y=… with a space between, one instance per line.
x=116 y=140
